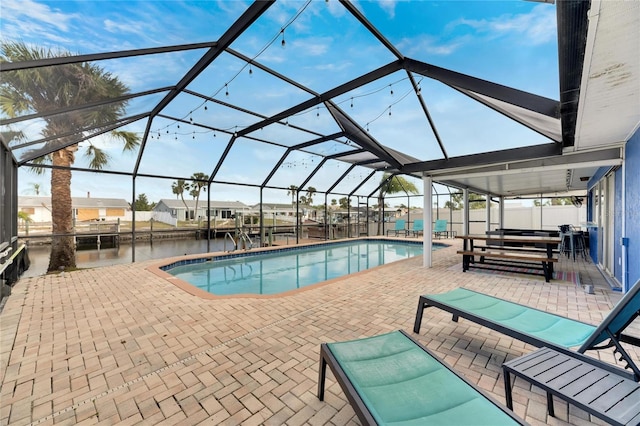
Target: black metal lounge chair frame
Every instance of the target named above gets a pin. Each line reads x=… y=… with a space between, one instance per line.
x=615 y=337
x=359 y=406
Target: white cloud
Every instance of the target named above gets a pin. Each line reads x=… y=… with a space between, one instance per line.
x=537 y=26
x=426 y=44
x=28 y=20
x=316 y=46
x=389 y=6
x=15 y=10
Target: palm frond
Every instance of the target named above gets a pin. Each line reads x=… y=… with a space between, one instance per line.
x=97 y=157
x=131 y=140
x=40 y=160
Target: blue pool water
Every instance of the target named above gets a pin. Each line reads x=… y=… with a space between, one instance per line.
x=288 y=269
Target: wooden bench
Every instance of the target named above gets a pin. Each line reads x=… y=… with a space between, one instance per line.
x=525 y=249
x=601 y=389
x=505 y=257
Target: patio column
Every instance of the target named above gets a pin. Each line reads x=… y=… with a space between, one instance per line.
x=488 y=209
x=501 y=212
x=427 y=216
x=465 y=211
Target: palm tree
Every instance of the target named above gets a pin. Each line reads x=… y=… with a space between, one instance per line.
x=311 y=191
x=199 y=184
x=392 y=185
x=293 y=189
x=178 y=188
x=35 y=188
x=44 y=89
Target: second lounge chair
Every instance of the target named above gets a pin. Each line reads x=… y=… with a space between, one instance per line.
x=392 y=379
x=540 y=328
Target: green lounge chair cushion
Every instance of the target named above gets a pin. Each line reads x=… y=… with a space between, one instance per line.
x=402 y=384
x=552 y=328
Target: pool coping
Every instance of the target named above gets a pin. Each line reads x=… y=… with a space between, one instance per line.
x=159 y=268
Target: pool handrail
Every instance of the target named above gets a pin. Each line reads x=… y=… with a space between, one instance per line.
x=224 y=243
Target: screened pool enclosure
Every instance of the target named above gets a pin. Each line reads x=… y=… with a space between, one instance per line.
x=271 y=102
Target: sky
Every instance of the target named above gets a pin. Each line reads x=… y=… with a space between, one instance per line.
x=512 y=43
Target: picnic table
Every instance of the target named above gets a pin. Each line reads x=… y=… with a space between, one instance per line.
x=508 y=250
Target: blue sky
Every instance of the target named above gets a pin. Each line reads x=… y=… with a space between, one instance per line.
x=507 y=42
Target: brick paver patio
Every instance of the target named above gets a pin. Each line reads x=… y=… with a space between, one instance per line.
x=122 y=345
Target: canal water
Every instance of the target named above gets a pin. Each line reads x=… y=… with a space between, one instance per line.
x=91 y=258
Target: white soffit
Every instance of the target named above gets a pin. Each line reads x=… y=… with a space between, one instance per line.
x=609 y=105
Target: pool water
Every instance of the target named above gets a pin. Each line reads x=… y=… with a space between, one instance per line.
x=287 y=269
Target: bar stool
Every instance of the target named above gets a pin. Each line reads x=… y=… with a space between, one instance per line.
x=572 y=242
x=579 y=244
x=566 y=240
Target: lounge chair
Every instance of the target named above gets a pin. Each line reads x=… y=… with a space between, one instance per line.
x=540 y=328
x=392 y=379
x=418 y=227
x=440 y=228
x=399 y=228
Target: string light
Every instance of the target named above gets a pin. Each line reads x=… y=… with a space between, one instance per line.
x=268 y=44
x=352 y=102
x=391 y=86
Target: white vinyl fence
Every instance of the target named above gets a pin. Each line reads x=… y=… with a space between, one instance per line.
x=517 y=217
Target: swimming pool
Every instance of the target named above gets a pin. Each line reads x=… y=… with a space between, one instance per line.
x=281 y=270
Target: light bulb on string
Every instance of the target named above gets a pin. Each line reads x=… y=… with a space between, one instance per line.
x=317 y=111
x=226 y=90
x=250 y=71
x=389 y=110
x=352 y=102
x=283 y=43
x=391 y=91
x=205 y=106
x=178 y=126
x=193 y=136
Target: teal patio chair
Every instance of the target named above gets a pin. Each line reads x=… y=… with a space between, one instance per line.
x=440 y=228
x=400 y=228
x=540 y=328
x=391 y=379
x=418 y=227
